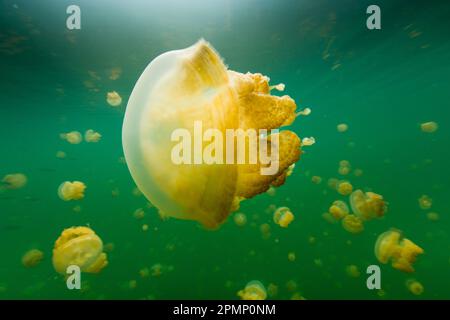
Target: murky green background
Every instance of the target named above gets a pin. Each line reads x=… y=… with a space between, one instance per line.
x=381 y=83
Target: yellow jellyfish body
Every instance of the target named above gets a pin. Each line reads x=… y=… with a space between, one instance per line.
x=433 y=216
x=352 y=271
x=92 y=136
x=113 y=99
x=342 y=127
x=14 y=181
x=283 y=217
x=32 y=258
x=254 y=290
x=352 y=224
x=367 y=205
x=71 y=190
x=139 y=214
x=308 y=141
x=72 y=137
x=79 y=246
x=429 y=127
x=240 y=219
x=415 y=287
x=339 y=209
x=272 y=290
x=316 y=179
x=402 y=252
x=61 y=155
x=343 y=170
x=425 y=202
x=291 y=256
x=344 y=188
x=174 y=135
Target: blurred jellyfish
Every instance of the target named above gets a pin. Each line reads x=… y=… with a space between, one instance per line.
x=265 y=230
x=156 y=270
x=144 y=272
x=240 y=219
x=73 y=137
x=402 y=252
x=304 y=112
x=425 y=202
x=332 y=183
x=367 y=205
x=308 y=141
x=271 y=191
x=79 y=246
x=278 y=87
x=291 y=256
x=343 y=171
x=328 y=217
x=415 y=287
x=136 y=192
x=115 y=73
x=71 y=190
x=77 y=209
x=145 y=227
x=113 y=99
x=339 y=209
x=139 y=214
x=358 y=173
x=92 y=136
x=32 y=258
x=433 y=216
x=316 y=179
x=272 y=290
x=61 y=155
x=352 y=224
x=429 y=127
x=291 y=285
x=344 y=188
x=180 y=89
x=14 y=181
x=297 y=296
x=109 y=247
x=283 y=217
x=254 y=290
x=352 y=271
x=132 y=284
x=342 y=127
x=344 y=163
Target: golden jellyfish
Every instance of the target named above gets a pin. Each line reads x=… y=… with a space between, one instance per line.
x=401 y=252
x=429 y=127
x=297 y=296
x=358 y=173
x=240 y=219
x=92 y=136
x=73 y=137
x=339 y=209
x=79 y=246
x=71 y=190
x=265 y=230
x=352 y=271
x=291 y=256
x=415 y=287
x=32 y=258
x=343 y=171
x=113 y=99
x=14 y=181
x=139 y=214
x=342 y=127
x=61 y=155
x=188 y=97
x=433 y=216
x=272 y=290
x=352 y=224
x=308 y=141
x=332 y=183
x=156 y=270
x=425 y=202
x=271 y=191
x=344 y=188
x=316 y=179
x=367 y=205
x=144 y=272
x=304 y=112
x=254 y=290
x=283 y=217
x=77 y=209
x=344 y=163
x=328 y=217
x=145 y=227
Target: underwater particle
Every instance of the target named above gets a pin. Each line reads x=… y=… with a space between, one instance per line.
x=283 y=217
x=392 y=247
x=79 y=246
x=77 y=209
x=291 y=256
x=144 y=272
x=352 y=224
x=271 y=191
x=343 y=171
x=92 y=136
x=272 y=290
x=14 y=181
x=344 y=188
x=339 y=209
x=305 y=112
x=425 y=202
x=308 y=141
x=433 y=216
x=32 y=258
x=71 y=190
x=352 y=271
x=265 y=230
x=342 y=127
x=61 y=155
x=145 y=227
x=254 y=290
x=113 y=99
x=240 y=219
x=139 y=213
x=72 y=137
x=429 y=127
x=367 y=205
x=316 y=179
x=415 y=287
x=219 y=99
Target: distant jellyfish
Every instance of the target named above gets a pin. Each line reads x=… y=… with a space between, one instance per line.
x=358 y=173
x=61 y=155
x=156 y=270
x=332 y=183
x=71 y=190
x=109 y=247
x=139 y=214
x=425 y=202
x=433 y=216
x=240 y=219
x=145 y=227
x=271 y=191
x=352 y=224
x=283 y=217
x=92 y=136
x=254 y=290
x=339 y=209
x=272 y=290
x=32 y=258
x=113 y=99
x=304 y=112
x=342 y=127
x=344 y=163
x=343 y=170
x=144 y=272
x=136 y=192
x=291 y=285
x=429 y=127
x=291 y=256
x=132 y=284
x=401 y=252
x=73 y=137
x=344 y=188
x=14 y=181
x=77 y=209
x=328 y=217
x=316 y=179
x=265 y=230
x=415 y=287
x=367 y=205
x=308 y=141
x=352 y=271
x=79 y=246
x=186 y=88
x=297 y=296
x=115 y=73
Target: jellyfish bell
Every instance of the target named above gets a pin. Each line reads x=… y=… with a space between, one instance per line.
x=71 y=190
x=92 y=136
x=13 y=181
x=339 y=209
x=283 y=217
x=191 y=89
x=254 y=290
x=32 y=258
x=353 y=224
x=367 y=205
x=72 y=137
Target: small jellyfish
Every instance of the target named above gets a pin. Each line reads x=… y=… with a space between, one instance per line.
x=367 y=205
x=343 y=170
x=272 y=290
x=332 y=183
x=433 y=216
x=352 y=224
x=254 y=290
x=240 y=219
x=352 y=271
x=61 y=155
x=402 y=252
x=71 y=190
x=156 y=270
x=425 y=202
x=271 y=191
x=415 y=287
x=113 y=99
x=358 y=173
x=308 y=141
x=429 y=127
x=339 y=209
x=32 y=258
x=291 y=256
x=144 y=272
x=79 y=246
x=77 y=209
x=304 y=112
x=316 y=179
x=265 y=230
x=132 y=284
x=136 y=192
x=73 y=137
x=283 y=217
x=342 y=127
x=14 y=181
x=115 y=73
x=145 y=227
x=328 y=217
x=278 y=87
x=297 y=296
x=92 y=136
x=344 y=163
x=344 y=188
x=139 y=214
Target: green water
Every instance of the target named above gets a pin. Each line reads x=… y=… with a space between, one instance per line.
x=381 y=83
